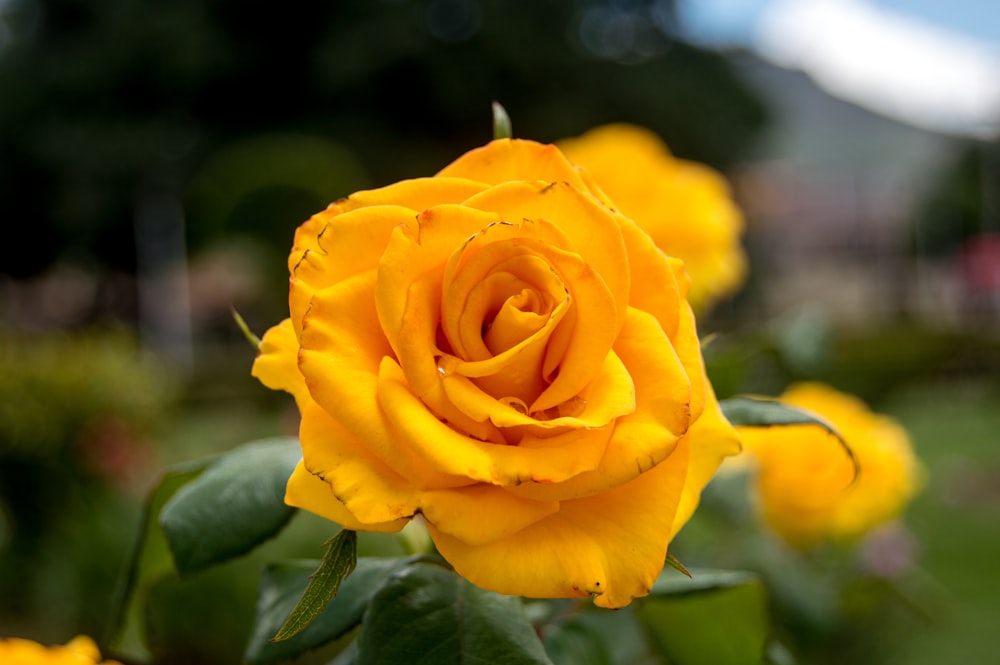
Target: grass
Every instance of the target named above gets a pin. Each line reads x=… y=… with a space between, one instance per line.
x=955 y=429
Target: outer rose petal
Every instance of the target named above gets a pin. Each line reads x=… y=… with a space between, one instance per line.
x=277 y=364
x=304 y=490
x=585 y=548
x=374 y=494
x=654 y=285
x=498 y=514
x=346 y=245
x=342 y=347
x=505 y=160
x=371 y=490
x=712 y=439
x=416 y=194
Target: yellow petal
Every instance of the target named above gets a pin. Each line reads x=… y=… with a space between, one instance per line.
x=310 y=493
x=83 y=646
x=276 y=365
x=589 y=229
x=580 y=340
x=342 y=348
x=416 y=194
x=688 y=349
x=481 y=514
x=609 y=395
x=654 y=287
x=611 y=545
x=648 y=435
x=421 y=361
x=421 y=245
x=451 y=452
x=686 y=207
x=504 y=160
x=711 y=439
x=348 y=244
x=371 y=490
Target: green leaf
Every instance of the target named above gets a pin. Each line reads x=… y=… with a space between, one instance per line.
x=245 y=329
x=236 y=504
x=281 y=586
x=573 y=643
x=502 y=128
x=701 y=579
x=427 y=614
x=672 y=562
x=149 y=563
x=763 y=412
x=340 y=559
x=594 y=636
x=717 y=617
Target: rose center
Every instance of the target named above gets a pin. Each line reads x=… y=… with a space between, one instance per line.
x=520 y=316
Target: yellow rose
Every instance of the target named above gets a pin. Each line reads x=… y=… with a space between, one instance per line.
x=805 y=480
x=80 y=650
x=685 y=206
x=496 y=350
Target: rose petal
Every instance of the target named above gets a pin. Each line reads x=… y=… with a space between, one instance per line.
x=585 y=548
x=348 y=244
x=276 y=365
x=609 y=395
x=498 y=514
x=648 y=435
x=417 y=247
x=306 y=491
x=415 y=194
x=342 y=347
x=711 y=439
x=589 y=228
x=371 y=490
x=504 y=160
x=451 y=452
x=420 y=358
x=654 y=286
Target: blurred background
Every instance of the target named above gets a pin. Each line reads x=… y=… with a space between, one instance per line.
x=156 y=157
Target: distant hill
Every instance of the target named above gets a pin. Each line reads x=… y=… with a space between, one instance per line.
x=814 y=130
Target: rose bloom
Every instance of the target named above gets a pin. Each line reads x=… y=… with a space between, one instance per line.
x=806 y=483
x=684 y=206
x=498 y=351
x=80 y=650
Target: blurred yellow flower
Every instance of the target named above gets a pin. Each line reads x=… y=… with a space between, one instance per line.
x=80 y=650
x=805 y=480
x=496 y=350
x=686 y=207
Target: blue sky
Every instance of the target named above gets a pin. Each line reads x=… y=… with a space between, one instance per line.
x=732 y=21
x=933 y=64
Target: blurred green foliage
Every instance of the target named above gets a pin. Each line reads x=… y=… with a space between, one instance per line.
x=75 y=417
x=259 y=114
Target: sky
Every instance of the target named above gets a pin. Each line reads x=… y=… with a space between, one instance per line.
x=932 y=63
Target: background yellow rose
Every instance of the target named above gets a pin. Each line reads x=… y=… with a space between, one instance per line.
x=805 y=480
x=686 y=207
x=498 y=351
x=81 y=650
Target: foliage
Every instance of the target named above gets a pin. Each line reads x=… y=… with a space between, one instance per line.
x=76 y=413
x=105 y=101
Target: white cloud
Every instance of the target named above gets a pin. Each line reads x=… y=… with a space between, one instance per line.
x=890 y=62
